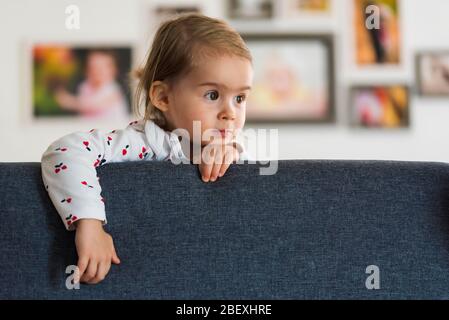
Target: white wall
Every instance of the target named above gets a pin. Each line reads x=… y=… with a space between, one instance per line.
x=425 y=26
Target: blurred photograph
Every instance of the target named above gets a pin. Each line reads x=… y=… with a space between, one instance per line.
x=250 y=9
x=79 y=81
x=165 y=12
x=377 y=46
x=293 y=79
x=380 y=106
x=433 y=73
x=311 y=6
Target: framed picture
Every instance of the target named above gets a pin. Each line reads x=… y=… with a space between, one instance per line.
x=298 y=8
x=164 y=12
x=80 y=80
x=152 y=15
x=382 y=106
x=293 y=78
x=433 y=73
x=250 y=9
x=377 y=33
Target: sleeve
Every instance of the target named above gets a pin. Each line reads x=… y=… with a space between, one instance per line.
x=69 y=168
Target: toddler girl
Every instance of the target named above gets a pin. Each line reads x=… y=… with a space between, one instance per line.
x=198 y=71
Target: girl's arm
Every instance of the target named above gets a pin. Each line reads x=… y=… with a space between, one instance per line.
x=69 y=168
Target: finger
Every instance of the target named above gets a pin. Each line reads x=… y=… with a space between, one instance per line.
x=207 y=161
x=217 y=165
x=205 y=170
x=229 y=157
x=82 y=266
x=91 y=271
x=102 y=271
x=224 y=167
x=115 y=258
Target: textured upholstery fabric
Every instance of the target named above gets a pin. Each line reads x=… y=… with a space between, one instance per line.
x=307 y=232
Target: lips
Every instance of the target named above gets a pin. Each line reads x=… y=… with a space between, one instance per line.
x=225 y=132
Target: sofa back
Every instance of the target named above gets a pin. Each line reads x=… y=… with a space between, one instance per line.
x=314 y=230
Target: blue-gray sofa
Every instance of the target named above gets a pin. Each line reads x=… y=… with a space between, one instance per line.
x=313 y=230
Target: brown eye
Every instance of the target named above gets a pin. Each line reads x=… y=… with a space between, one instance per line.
x=240 y=99
x=212 y=95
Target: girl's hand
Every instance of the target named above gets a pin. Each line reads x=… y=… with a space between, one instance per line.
x=216 y=158
x=95 y=251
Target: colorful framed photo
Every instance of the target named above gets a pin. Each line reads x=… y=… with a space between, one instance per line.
x=380 y=43
x=381 y=106
x=81 y=80
x=293 y=78
x=433 y=73
x=300 y=8
x=250 y=9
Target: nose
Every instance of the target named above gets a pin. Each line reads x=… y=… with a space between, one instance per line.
x=227 y=112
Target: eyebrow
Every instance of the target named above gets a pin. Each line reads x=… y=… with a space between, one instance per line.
x=214 y=84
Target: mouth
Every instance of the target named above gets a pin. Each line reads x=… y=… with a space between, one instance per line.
x=225 y=132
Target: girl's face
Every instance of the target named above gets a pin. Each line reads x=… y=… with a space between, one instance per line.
x=100 y=69
x=215 y=93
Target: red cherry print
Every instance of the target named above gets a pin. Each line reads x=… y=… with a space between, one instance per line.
x=109 y=141
x=124 y=151
x=143 y=154
x=74 y=218
x=69 y=222
x=68 y=200
x=86 y=143
x=85 y=183
x=59 y=167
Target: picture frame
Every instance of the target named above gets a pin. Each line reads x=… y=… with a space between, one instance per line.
x=153 y=14
x=293 y=78
x=308 y=8
x=250 y=9
x=165 y=11
x=432 y=73
x=378 y=47
x=82 y=80
x=380 y=106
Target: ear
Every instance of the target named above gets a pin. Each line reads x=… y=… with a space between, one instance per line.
x=159 y=95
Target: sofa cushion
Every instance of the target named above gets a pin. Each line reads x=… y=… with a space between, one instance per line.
x=308 y=232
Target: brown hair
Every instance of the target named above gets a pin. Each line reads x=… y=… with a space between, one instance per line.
x=178 y=43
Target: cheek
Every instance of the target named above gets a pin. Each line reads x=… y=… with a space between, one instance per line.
x=241 y=118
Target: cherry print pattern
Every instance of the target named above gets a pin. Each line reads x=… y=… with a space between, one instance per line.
x=60 y=167
x=99 y=161
x=86 y=184
x=70 y=219
x=86 y=143
x=124 y=151
x=143 y=154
